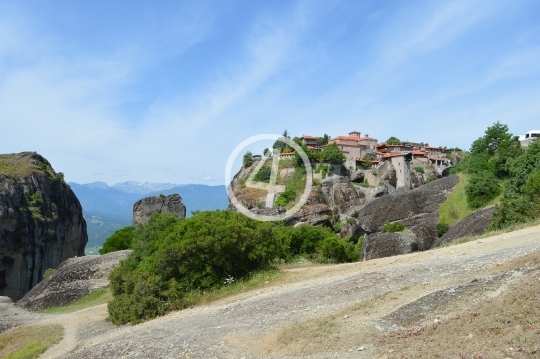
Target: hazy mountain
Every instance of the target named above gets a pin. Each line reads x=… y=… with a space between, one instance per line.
x=143 y=187
x=109 y=208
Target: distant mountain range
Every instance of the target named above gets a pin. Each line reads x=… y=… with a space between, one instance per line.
x=109 y=208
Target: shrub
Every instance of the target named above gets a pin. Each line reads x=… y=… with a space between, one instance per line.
x=247 y=160
x=48 y=272
x=363 y=184
x=337 y=227
x=334 y=249
x=263 y=175
x=442 y=228
x=481 y=189
x=194 y=254
x=36 y=198
x=419 y=169
x=394 y=227
x=119 y=240
x=431 y=179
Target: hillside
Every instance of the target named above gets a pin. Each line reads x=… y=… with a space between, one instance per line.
x=474 y=300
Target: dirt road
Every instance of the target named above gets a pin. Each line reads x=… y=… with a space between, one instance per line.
x=321 y=312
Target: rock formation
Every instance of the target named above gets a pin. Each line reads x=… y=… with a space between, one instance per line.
x=381 y=245
x=73 y=279
x=41 y=222
x=144 y=208
x=473 y=225
x=416 y=209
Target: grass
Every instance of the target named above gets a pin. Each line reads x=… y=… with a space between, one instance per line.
x=455 y=208
x=93 y=298
x=29 y=342
x=13 y=165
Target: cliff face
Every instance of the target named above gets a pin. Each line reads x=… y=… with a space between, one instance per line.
x=41 y=222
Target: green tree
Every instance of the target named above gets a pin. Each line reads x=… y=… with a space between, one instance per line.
x=280 y=145
x=393 y=141
x=333 y=154
x=366 y=161
x=247 y=159
x=266 y=152
x=481 y=189
x=322 y=141
x=499 y=145
x=119 y=240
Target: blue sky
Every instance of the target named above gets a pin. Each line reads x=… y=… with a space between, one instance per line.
x=163 y=91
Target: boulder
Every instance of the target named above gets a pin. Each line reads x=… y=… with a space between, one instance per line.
x=146 y=207
x=473 y=225
x=379 y=245
x=41 y=222
x=73 y=279
x=314 y=212
x=416 y=209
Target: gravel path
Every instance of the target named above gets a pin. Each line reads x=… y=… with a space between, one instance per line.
x=247 y=325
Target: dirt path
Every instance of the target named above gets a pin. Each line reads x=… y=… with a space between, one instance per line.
x=326 y=311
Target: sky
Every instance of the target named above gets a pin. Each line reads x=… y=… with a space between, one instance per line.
x=164 y=91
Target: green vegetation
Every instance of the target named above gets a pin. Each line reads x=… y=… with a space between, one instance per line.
x=96 y=297
x=497 y=164
x=28 y=342
x=333 y=154
x=121 y=239
x=280 y=145
x=482 y=188
x=294 y=188
x=322 y=141
x=366 y=161
x=264 y=174
x=176 y=261
x=431 y=179
x=419 y=169
x=393 y=141
x=455 y=207
x=362 y=184
x=247 y=160
x=394 y=227
x=48 y=272
x=442 y=228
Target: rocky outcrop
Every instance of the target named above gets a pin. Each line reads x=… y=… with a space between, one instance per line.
x=314 y=212
x=379 y=245
x=146 y=207
x=340 y=193
x=72 y=280
x=41 y=222
x=474 y=224
x=416 y=209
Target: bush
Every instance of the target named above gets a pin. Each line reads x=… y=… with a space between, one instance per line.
x=442 y=228
x=337 y=250
x=481 y=189
x=119 y=240
x=394 y=227
x=247 y=160
x=337 y=227
x=431 y=179
x=263 y=175
x=36 y=198
x=419 y=169
x=194 y=254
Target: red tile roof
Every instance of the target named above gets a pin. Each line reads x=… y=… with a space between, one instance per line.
x=307 y=137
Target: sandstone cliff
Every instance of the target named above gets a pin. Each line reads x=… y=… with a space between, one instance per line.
x=41 y=222
x=144 y=208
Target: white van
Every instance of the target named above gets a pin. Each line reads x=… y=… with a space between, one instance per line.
x=529 y=135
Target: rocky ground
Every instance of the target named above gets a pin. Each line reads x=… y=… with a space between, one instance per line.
x=358 y=310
